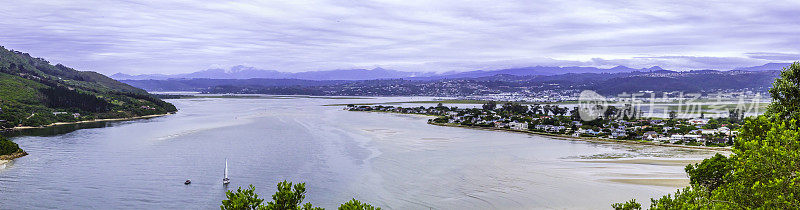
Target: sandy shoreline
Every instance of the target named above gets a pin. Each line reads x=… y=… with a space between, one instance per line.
x=588 y=139
x=677 y=183
x=676 y=180
x=90 y=121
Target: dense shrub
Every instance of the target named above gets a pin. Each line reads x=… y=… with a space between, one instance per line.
x=288 y=197
x=8 y=146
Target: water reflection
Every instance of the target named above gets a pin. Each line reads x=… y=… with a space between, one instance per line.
x=394 y=161
x=57 y=129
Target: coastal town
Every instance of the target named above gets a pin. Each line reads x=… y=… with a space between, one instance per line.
x=621 y=123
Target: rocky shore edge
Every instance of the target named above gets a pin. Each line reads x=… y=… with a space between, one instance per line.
x=13 y=155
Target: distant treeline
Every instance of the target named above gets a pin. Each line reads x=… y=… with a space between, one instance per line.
x=604 y=83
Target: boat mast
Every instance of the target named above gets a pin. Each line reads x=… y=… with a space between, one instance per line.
x=226 y=168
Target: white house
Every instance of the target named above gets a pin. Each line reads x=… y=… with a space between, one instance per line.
x=708 y=131
x=662 y=139
x=675 y=137
x=518 y=125
x=617 y=134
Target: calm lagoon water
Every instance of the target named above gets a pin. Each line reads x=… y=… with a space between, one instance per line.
x=391 y=160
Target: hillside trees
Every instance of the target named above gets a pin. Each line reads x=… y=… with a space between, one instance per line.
x=33 y=93
x=764 y=170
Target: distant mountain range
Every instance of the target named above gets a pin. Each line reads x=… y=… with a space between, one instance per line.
x=765 y=67
x=244 y=72
x=699 y=81
x=540 y=71
x=704 y=81
x=381 y=82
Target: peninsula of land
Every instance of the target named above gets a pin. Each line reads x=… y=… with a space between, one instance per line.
x=617 y=125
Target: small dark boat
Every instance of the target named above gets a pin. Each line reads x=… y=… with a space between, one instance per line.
x=188 y=181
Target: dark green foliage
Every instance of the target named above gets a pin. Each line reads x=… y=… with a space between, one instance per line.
x=245 y=199
x=8 y=147
x=574 y=114
x=710 y=173
x=33 y=92
x=61 y=97
x=735 y=115
x=630 y=205
x=514 y=108
x=491 y=105
x=288 y=197
x=688 y=198
x=357 y=205
x=673 y=115
x=440 y=120
x=765 y=165
x=785 y=93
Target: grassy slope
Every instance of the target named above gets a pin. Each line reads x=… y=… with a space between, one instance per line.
x=31 y=90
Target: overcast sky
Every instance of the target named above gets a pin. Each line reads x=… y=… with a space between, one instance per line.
x=137 y=37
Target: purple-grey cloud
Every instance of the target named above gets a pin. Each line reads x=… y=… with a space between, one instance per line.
x=774 y=56
x=183 y=36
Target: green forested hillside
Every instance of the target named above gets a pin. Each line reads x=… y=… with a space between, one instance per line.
x=34 y=92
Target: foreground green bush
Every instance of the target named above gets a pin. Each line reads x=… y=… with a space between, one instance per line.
x=764 y=170
x=357 y=205
x=288 y=197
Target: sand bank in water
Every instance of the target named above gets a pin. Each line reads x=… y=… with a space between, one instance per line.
x=660 y=162
x=677 y=183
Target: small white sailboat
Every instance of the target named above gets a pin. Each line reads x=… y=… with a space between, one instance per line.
x=226 y=180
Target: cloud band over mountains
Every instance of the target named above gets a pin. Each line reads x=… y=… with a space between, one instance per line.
x=139 y=37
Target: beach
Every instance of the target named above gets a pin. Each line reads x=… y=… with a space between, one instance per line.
x=89 y=121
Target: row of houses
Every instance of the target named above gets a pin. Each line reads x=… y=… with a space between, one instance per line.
x=660 y=130
x=75 y=115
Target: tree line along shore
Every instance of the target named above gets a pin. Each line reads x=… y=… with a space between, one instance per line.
x=90 y=121
x=615 y=125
